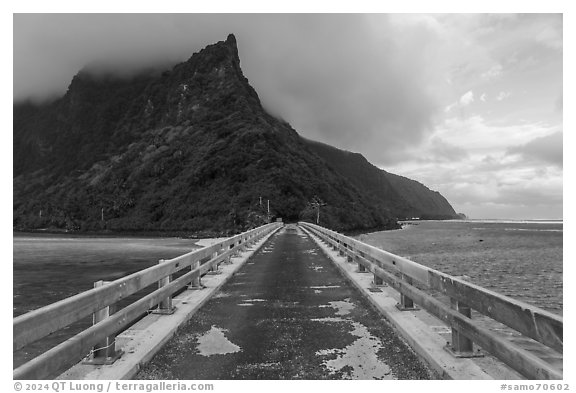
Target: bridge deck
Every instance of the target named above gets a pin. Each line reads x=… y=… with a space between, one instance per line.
x=287 y=314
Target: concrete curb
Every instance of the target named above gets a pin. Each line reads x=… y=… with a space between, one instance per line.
x=145 y=338
x=424 y=333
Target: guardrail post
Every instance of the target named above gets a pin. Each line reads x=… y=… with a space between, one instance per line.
x=105 y=351
x=378 y=281
x=341 y=249
x=348 y=256
x=165 y=307
x=406 y=303
x=214 y=268
x=227 y=260
x=196 y=282
x=361 y=267
x=322 y=236
x=461 y=346
x=235 y=247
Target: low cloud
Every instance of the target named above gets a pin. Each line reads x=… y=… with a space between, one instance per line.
x=538 y=192
x=358 y=82
x=436 y=151
x=498 y=190
x=547 y=149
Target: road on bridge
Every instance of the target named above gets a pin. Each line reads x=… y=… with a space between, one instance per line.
x=286 y=314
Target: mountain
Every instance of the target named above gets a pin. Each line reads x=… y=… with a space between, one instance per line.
x=190 y=149
x=406 y=198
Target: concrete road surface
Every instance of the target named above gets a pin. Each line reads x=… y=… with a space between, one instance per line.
x=287 y=314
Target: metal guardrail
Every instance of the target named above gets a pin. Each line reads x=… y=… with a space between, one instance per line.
x=401 y=273
x=34 y=325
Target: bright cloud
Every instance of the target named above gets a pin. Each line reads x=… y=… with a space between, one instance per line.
x=467 y=98
x=477 y=134
x=494 y=72
x=503 y=95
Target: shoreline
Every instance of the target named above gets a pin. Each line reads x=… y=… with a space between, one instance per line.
x=128 y=234
x=200 y=242
x=497 y=221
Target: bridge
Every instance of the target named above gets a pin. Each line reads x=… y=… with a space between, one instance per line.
x=291 y=302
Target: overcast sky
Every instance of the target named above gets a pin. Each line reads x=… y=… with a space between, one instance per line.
x=469 y=105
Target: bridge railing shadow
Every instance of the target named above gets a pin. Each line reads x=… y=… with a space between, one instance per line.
x=412 y=281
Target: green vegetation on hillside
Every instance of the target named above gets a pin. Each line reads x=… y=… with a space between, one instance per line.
x=187 y=150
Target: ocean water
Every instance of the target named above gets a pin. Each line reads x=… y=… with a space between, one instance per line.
x=520 y=259
x=48 y=268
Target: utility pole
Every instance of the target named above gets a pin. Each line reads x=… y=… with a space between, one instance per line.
x=102 y=214
x=260 y=202
x=317 y=202
x=268 y=210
